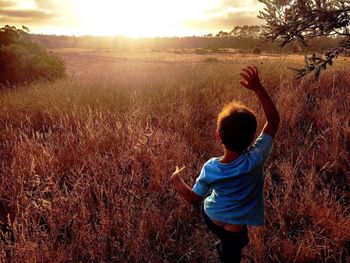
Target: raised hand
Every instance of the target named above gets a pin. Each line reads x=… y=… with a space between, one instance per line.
x=252 y=80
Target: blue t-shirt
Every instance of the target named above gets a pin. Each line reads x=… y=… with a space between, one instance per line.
x=236 y=188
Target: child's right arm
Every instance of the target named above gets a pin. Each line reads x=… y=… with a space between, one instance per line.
x=250 y=74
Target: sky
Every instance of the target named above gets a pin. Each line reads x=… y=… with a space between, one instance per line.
x=133 y=18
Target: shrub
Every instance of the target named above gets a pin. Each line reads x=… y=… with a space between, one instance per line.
x=201 y=51
x=296 y=49
x=257 y=51
x=22 y=61
x=211 y=59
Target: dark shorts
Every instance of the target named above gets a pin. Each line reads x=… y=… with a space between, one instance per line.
x=231 y=244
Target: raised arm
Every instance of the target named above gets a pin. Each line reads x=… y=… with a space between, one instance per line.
x=252 y=82
x=184 y=190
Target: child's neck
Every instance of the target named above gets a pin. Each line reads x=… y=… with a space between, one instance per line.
x=229 y=156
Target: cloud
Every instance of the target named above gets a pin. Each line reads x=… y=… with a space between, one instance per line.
x=239 y=3
x=47 y=5
x=18 y=14
x=6 y=4
x=237 y=18
x=227 y=15
x=224 y=5
x=227 y=23
x=38 y=13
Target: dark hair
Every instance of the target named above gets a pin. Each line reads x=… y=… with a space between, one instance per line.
x=236 y=126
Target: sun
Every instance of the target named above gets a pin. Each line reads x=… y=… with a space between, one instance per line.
x=138 y=18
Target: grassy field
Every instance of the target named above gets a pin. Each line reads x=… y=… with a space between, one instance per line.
x=85 y=162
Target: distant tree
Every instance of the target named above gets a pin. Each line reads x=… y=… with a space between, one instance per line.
x=300 y=20
x=210 y=35
x=255 y=31
x=222 y=34
x=236 y=31
x=246 y=31
x=22 y=61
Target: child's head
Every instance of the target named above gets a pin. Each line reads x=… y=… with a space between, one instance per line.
x=236 y=127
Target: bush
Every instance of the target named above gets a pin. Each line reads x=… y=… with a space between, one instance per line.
x=22 y=61
x=201 y=51
x=211 y=59
x=257 y=51
x=296 y=49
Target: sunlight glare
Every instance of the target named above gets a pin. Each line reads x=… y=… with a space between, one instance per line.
x=25 y=5
x=139 y=18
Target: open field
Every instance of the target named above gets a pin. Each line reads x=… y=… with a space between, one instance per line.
x=85 y=161
x=85 y=60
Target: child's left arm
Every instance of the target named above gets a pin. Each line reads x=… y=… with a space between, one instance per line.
x=184 y=190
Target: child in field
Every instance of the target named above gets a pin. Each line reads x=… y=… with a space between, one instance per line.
x=232 y=185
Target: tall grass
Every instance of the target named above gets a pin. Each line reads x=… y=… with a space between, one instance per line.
x=85 y=165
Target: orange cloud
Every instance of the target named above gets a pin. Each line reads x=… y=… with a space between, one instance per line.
x=6 y=4
x=33 y=14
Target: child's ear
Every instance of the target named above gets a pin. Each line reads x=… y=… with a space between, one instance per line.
x=217 y=135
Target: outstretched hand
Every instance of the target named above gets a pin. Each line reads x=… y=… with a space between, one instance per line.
x=251 y=76
x=183 y=188
x=176 y=173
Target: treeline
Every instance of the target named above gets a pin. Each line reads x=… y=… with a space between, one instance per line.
x=241 y=32
x=245 y=38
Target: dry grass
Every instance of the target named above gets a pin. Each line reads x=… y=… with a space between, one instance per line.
x=85 y=165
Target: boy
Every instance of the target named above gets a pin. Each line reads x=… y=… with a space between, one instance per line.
x=235 y=180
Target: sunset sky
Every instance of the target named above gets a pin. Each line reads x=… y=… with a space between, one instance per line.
x=135 y=18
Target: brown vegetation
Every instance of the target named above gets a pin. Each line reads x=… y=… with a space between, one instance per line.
x=87 y=162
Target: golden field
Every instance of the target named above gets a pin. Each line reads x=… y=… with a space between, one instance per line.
x=85 y=161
